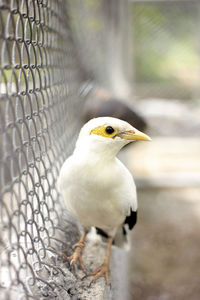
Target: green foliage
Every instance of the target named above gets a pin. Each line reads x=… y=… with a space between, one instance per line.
x=165 y=42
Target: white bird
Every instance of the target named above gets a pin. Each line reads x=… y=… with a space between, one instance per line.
x=98 y=190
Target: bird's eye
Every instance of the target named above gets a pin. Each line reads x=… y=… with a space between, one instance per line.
x=109 y=130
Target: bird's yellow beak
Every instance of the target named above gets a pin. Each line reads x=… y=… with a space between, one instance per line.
x=134 y=135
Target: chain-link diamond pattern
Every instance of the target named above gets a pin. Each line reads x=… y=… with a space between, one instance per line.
x=39 y=113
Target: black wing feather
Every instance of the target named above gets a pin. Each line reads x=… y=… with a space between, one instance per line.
x=101 y=232
x=131 y=220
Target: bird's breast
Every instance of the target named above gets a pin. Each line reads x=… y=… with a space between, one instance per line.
x=92 y=194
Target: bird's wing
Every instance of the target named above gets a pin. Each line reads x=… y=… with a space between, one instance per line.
x=128 y=190
x=129 y=196
x=131 y=208
x=131 y=220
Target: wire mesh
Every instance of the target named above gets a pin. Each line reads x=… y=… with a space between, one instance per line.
x=49 y=52
x=39 y=113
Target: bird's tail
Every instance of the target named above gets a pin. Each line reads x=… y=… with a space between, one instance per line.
x=121 y=239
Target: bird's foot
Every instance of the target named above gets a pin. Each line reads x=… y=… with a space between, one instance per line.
x=103 y=270
x=76 y=256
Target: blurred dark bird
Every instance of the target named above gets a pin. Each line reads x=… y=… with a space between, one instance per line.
x=101 y=103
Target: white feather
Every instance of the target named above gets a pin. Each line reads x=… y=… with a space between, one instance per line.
x=97 y=188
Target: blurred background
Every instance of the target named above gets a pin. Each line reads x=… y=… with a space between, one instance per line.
x=165 y=257
x=151 y=63
x=64 y=62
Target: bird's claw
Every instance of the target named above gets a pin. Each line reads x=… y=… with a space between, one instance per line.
x=72 y=262
x=101 y=271
x=78 y=245
x=76 y=257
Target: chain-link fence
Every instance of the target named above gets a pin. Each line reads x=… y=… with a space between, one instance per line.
x=39 y=106
x=48 y=49
x=41 y=76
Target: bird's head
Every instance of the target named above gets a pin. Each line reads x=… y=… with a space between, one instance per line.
x=108 y=135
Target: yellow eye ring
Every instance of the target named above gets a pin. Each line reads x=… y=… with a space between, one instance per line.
x=105 y=131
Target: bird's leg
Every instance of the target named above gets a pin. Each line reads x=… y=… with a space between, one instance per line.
x=103 y=270
x=77 y=255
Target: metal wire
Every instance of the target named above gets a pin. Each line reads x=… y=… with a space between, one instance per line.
x=49 y=52
x=41 y=82
x=39 y=85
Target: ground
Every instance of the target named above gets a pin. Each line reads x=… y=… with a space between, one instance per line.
x=165 y=256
